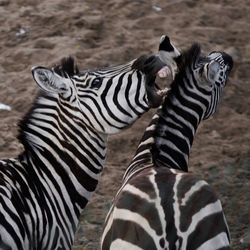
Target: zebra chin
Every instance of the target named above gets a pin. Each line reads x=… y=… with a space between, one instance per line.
x=154 y=99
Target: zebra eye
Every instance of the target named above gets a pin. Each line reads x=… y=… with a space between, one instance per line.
x=96 y=83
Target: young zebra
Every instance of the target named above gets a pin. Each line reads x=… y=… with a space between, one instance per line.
x=160 y=205
x=44 y=190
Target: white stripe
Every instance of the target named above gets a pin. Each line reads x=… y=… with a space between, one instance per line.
x=119 y=244
x=177 y=214
x=108 y=223
x=217 y=242
x=210 y=209
x=136 y=191
x=159 y=207
x=7 y=238
x=166 y=155
x=81 y=190
x=177 y=103
x=42 y=144
x=150 y=140
x=53 y=194
x=192 y=100
x=127 y=215
x=73 y=142
x=196 y=187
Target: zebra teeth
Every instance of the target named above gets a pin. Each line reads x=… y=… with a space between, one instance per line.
x=162 y=92
x=164 y=72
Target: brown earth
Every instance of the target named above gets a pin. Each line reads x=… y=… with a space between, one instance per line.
x=35 y=32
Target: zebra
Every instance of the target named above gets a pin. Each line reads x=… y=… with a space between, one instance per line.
x=160 y=205
x=64 y=134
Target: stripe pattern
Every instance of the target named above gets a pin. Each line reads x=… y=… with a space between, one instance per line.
x=160 y=205
x=44 y=190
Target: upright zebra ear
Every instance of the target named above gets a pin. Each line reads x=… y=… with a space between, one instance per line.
x=49 y=80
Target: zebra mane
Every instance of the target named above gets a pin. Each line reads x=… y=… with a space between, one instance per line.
x=187 y=59
x=67 y=67
x=25 y=121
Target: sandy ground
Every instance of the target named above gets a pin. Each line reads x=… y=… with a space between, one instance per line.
x=34 y=32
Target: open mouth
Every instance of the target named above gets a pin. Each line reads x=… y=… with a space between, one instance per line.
x=163 y=73
x=154 y=70
x=154 y=91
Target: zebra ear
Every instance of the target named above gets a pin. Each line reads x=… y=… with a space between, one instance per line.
x=49 y=80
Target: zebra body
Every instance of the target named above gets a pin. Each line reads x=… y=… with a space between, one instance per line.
x=160 y=205
x=44 y=190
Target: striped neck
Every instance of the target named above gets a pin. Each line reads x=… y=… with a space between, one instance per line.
x=168 y=138
x=62 y=150
x=178 y=120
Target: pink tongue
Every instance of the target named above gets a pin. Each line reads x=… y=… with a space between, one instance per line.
x=163 y=72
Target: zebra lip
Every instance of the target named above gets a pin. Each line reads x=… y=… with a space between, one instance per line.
x=165 y=71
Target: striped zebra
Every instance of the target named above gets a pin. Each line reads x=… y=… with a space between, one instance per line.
x=64 y=134
x=160 y=205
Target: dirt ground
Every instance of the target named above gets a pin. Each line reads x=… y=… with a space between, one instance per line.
x=36 y=32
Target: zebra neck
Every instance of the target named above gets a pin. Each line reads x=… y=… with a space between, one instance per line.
x=62 y=149
x=178 y=120
x=168 y=138
x=143 y=156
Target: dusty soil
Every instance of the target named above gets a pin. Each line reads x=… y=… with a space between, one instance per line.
x=34 y=32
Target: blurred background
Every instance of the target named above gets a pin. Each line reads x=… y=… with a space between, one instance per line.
x=97 y=33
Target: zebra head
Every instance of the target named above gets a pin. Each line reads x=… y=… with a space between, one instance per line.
x=107 y=99
x=161 y=64
x=207 y=75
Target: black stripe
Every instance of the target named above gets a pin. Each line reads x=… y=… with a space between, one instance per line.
x=178 y=157
x=53 y=201
x=127 y=95
x=135 y=203
x=166 y=194
x=100 y=111
x=84 y=127
x=72 y=148
x=214 y=225
x=110 y=113
x=77 y=110
x=116 y=94
x=196 y=202
x=92 y=112
x=89 y=183
x=9 y=228
x=131 y=232
x=139 y=81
